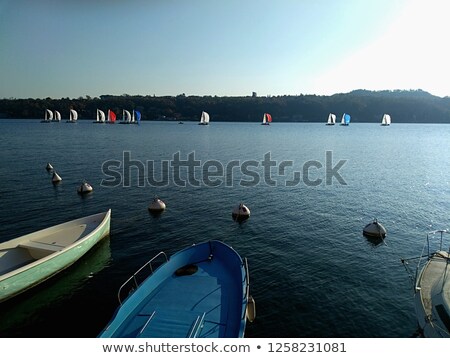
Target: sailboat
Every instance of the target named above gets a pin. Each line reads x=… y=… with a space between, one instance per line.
x=345 y=121
x=100 y=116
x=73 y=116
x=331 y=119
x=111 y=117
x=126 y=117
x=48 y=116
x=136 y=117
x=267 y=119
x=204 y=119
x=386 y=120
x=56 y=117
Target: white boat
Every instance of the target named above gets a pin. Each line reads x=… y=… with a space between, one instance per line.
x=100 y=117
x=267 y=119
x=331 y=119
x=56 y=117
x=73 y=116
x=432 y=285
x=386 y=120
x=126 y=117
x=204 y=118
x=48 y=116
x=31 y=259
x=49 y=167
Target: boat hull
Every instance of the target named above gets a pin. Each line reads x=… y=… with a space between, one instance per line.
x=432 y=297
x=200 y=292
x=42 y=265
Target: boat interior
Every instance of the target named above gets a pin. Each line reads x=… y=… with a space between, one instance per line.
x=177 y=310
x=192 y=295
x=37 y=246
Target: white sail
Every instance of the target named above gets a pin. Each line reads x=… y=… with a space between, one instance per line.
x=126 y=116
x=386 y=120
x=48 y=115
x=102 y=115
x=267 y=119
x=204 y=119
x=57 y=116
x=331 y=118
x=343 y=119
x=73 y=115
x=100 y=118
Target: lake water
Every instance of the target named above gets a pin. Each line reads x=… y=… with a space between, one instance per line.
x=312 y=272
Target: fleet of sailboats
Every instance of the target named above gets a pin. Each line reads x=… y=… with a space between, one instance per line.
x=50 y=116
x=102 y=118
x=134 y=117
x=128 y=117
x=204 y=118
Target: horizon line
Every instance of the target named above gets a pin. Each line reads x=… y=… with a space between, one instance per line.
x=254 y=94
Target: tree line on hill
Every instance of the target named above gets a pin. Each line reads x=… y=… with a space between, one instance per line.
x=415 y=106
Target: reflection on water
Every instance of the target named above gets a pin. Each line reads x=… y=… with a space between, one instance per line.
x=32 y=305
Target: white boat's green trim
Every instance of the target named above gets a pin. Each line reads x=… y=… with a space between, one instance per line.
x=31 y=259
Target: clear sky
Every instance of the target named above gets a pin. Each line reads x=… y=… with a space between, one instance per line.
x=73 y=48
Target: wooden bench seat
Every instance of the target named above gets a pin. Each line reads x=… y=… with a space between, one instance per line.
x=41 y=246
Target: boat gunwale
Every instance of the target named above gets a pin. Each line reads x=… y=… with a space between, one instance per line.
x=106 y=217
x=133 y=277
x=131 y=302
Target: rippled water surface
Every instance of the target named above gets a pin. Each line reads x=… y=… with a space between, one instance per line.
x=312 y=272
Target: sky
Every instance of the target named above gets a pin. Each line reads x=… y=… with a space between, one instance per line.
x=77 y=48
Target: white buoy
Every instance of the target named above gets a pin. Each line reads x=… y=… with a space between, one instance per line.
x=240 y=212
x=375 y=230
x=85 y=188
x=157 y=205
x=56 y=178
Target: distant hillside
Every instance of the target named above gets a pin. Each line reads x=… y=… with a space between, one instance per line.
x=364 y=106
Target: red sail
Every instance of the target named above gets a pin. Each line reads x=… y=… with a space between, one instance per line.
x=112 y=116
x=269 y=118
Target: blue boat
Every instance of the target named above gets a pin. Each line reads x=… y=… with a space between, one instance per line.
x=201 y=291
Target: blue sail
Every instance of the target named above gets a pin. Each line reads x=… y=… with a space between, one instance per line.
x=347 y=118
x=138 y=117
